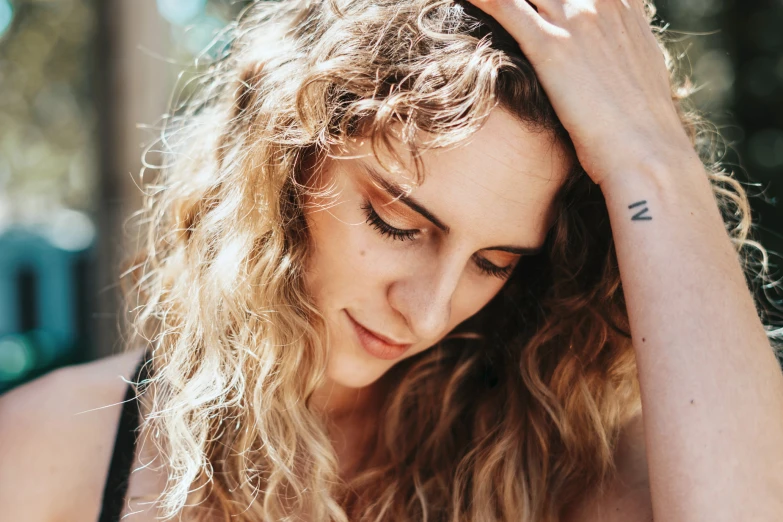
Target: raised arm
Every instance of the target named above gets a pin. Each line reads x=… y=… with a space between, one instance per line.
x=712 y=391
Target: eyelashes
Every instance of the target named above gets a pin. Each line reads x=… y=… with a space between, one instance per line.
x=386 y=230
x=374 y=220
x=492 y=269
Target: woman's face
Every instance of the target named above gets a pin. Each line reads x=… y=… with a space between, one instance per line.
x=393 y=275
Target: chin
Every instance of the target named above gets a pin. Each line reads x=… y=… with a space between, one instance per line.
x=353 y=371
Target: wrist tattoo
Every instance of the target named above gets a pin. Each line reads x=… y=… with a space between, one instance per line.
x=639 y=216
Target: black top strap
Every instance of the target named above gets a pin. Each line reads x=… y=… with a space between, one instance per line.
x=124 y=451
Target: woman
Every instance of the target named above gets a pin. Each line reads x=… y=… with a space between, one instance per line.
x=406 y=261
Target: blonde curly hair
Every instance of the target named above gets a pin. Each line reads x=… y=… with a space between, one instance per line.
x=511 y=417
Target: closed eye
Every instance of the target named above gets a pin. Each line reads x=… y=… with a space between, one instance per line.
x=374 y=220
x=400 y=234
x=492 y=269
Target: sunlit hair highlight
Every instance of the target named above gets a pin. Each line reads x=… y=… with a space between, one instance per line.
x=509 y=418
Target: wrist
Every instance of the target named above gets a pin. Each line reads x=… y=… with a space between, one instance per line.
x=661 y=168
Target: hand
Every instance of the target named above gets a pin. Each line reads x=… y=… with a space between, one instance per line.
x=605 y=75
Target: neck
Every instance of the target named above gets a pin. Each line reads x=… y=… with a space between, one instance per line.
x=342 y=403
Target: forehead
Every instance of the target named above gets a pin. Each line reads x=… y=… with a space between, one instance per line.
x=498 y=184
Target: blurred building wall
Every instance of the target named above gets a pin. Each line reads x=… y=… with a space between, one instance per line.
x=135 y=44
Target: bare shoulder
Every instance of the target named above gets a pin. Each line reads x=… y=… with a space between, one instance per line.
x=626 y=499
x=56 y=439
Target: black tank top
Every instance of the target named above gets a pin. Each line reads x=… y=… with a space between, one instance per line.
x=124 y=450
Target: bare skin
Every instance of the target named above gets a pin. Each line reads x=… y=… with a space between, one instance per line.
x=56 y=438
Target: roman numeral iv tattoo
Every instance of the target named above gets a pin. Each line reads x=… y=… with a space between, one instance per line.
x=639 y=216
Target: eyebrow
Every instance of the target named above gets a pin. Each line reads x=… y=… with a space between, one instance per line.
x=396 y=192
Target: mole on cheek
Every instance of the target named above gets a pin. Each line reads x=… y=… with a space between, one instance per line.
x=361 y=253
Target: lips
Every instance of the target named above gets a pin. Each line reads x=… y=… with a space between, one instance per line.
x=377 y=344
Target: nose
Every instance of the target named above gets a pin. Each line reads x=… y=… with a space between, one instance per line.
x=424 y=296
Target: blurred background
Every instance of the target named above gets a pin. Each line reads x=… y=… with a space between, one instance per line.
x=83 y=84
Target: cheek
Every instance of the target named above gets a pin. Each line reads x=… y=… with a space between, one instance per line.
x=472 y=297
x=346 y=253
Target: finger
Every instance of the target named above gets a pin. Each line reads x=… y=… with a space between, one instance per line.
x=546 y=8
x=491 y=7
x=519 y=18
x=640 y=6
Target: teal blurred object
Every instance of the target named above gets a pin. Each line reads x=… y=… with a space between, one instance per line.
x=6 y=16
x=44 y=304
x=181 y=12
